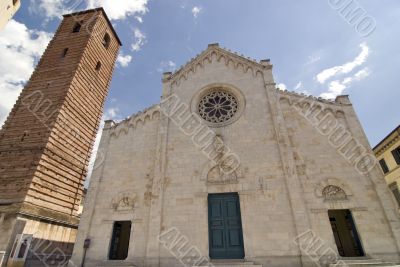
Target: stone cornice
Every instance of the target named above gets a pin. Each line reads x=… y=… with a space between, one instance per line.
x=337 y=102
x=387 y=142
x=115 y=128
x=229 y=57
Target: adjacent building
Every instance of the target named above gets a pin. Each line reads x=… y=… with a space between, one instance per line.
x=230 y=171
x=47 y=139
x=388 y=155
x=7 y=10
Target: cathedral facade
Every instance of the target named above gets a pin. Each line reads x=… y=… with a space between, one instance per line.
x=228 y=170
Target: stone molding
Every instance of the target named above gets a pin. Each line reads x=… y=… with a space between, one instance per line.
x=386 y=144
x=210 y=167
x=136 y=120
x=293 y=97
x=124 y=201
x=212 y=53
x=320 y=187
x=325 y=107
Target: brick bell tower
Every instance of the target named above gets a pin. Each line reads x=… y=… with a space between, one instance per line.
x=46 y=142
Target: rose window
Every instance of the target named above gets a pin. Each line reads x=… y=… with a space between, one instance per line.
x=218 y=106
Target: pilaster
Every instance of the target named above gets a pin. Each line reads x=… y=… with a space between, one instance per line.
x=301 y=221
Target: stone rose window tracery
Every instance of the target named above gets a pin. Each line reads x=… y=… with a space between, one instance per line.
x=218 y=106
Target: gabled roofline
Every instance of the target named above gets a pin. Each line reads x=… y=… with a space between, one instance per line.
x=264 y=63
x=105 y=16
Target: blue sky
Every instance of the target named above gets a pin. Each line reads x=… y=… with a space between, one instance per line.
x=313 y=48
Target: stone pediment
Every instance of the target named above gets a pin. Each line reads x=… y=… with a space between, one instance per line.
x=220 y=54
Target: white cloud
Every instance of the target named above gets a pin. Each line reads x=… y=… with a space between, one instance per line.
x=20 y=48
x=281 y=86
x=298 y=86
x=138 y=18
x=337 y=87
x=124 y=61
x=120 y=9
x=140 y=40
x=362 y=74
x=111 y=113
x=165 y=66
x=196 y=10
x=323 y=76
x=312 y=60
x=365 y=72
x=54 y=8
x=116 y=9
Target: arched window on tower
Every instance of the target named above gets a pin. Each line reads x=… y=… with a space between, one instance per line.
x=106 y=40
x=98 y=66
x=64 y=53
x=77 y=27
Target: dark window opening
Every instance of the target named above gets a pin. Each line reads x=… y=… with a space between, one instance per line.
x=23 y=137
x=106 y=40
x=22 y=249
x=396 y=192
x=384 y=166
x=98 y=66
x=15 y=2
x=77 y=27
x=396 y=155
x=65 y=52
x=120 y=240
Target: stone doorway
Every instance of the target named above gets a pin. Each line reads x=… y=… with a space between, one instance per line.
x=345 y=233
x=225 y=226
x=120 y=240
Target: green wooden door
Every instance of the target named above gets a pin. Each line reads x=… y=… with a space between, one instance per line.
x=225 y=227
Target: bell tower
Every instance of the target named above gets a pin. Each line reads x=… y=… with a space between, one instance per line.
x=47 y=139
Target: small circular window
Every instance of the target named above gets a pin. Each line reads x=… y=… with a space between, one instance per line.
x=218 y=106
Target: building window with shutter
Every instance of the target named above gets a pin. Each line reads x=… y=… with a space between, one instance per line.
x=384 y=166
x=395 y=190
x=396 y=155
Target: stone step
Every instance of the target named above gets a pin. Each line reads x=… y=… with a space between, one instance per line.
x=232 y=263
x=364 y=263
x=235 y=264
x=39 y=260
x=44 y=264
